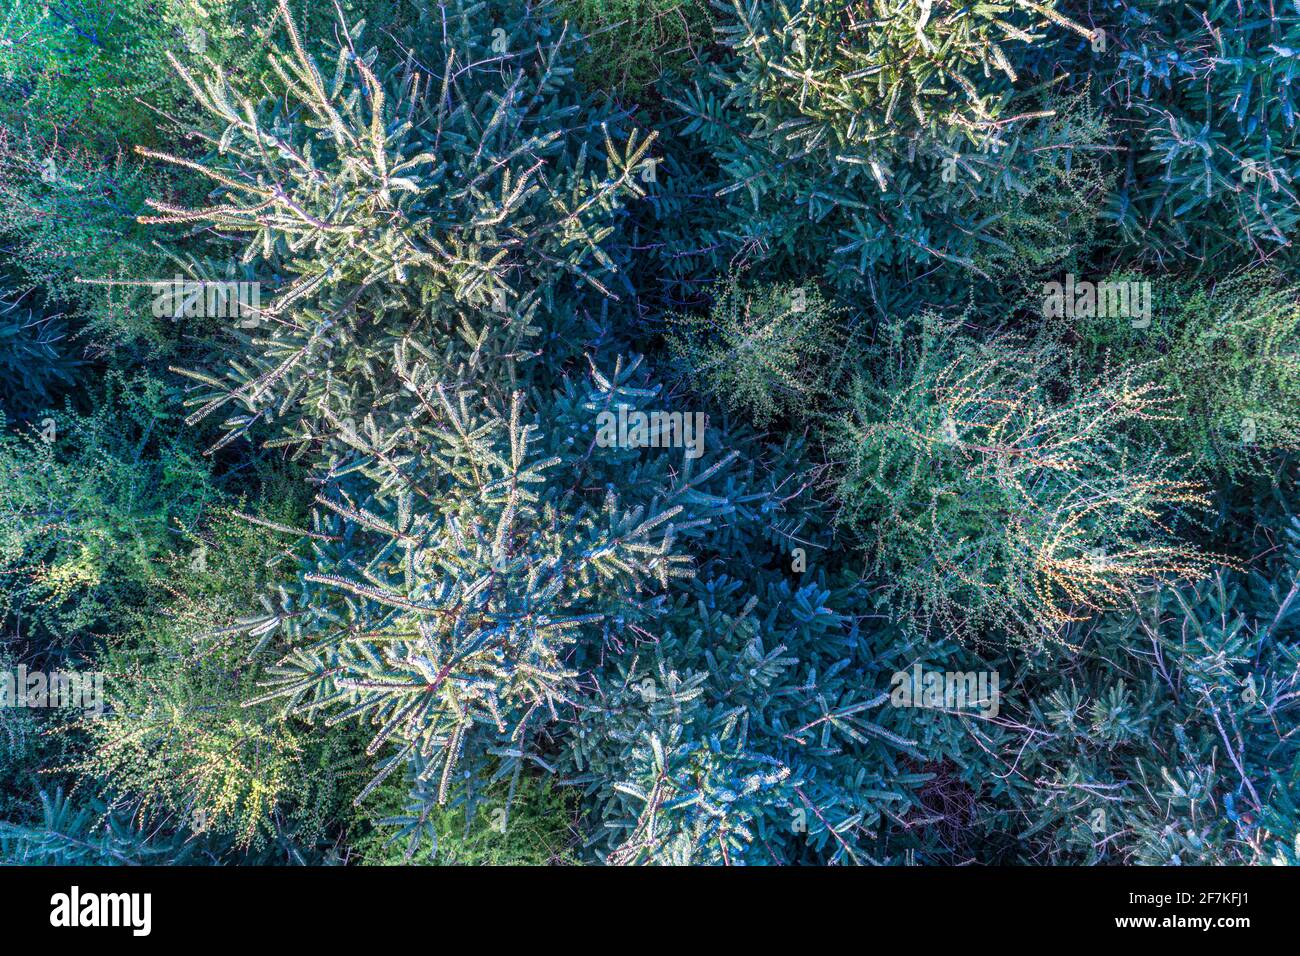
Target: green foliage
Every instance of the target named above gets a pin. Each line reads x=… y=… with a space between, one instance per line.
x=1205 y=93
x=21 y=751
x=1163 y=746
x=87 y=69
x=455 y=635
x=416 y=236
x=636 y=42
x=89 y=504
x=984 y=499
x=1052 y=219
x=420 y=602
x=1231 y=356
x=34 y=360
x=80 y=81
x=71 y=215
x=439 y=626
x=77 y=831
x=941 y=72
x=768 y=351
x=179 y=743
x=530 y=824
x=758 y=730
x=76 y=835
x=888 y=138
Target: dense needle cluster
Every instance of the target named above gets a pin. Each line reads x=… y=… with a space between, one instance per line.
x=658 y=432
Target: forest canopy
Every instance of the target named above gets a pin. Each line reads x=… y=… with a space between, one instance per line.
x=553 y=432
